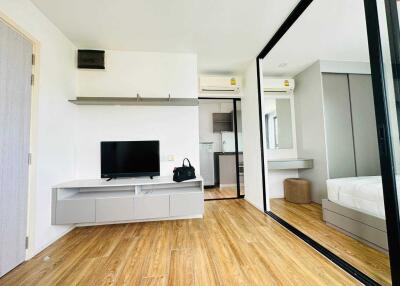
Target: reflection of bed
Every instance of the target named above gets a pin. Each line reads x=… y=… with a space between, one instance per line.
x=355 y=206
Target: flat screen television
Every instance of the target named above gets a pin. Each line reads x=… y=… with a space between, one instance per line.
x=130 y=159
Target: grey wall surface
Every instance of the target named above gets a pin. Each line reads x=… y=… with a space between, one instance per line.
x=310 y=128
x=15 y=95
x=338 y=125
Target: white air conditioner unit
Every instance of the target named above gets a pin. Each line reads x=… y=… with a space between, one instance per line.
x=278 y=86
x=220 y=84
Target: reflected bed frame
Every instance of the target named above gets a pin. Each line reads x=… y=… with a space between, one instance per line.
x=363 y=227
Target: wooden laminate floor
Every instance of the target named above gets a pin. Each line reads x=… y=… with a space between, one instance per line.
x=308 y=219
x=234 y=244
x=222 y=193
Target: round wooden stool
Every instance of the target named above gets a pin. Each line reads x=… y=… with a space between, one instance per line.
x=297 y=191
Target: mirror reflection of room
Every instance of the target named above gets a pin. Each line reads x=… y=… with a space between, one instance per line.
x=278 y=122
x=321 y=139
x=218 y=148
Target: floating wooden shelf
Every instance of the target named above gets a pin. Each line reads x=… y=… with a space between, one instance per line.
x=143 y=101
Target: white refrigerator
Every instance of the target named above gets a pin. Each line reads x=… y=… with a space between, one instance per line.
x=207 y=163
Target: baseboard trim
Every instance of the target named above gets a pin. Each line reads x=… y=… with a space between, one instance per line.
x=261 y=210
x=227 y=185
x=140 y=220
x=44 y=246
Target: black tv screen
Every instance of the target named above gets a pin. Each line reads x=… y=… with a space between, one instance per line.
x=130 y=159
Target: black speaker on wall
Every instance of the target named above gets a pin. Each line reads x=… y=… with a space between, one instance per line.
x=90 y=59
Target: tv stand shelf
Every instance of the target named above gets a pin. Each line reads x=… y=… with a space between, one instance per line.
x=90 y=202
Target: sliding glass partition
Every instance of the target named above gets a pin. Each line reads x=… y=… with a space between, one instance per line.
x=239 y=154
x=322 y=147
x=385 y=34
x=221 y=156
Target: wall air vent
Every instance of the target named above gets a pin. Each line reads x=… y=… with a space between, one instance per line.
x=91 y=59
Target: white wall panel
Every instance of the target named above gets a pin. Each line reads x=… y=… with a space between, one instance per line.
x=251 y=140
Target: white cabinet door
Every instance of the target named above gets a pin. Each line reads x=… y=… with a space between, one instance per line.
x=75 y=211
x=151 y=206
x=114 y=209
x=188 y=204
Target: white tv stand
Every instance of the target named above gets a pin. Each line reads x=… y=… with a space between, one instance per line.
x=90 y=202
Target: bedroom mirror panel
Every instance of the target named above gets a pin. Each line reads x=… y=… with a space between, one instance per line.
x=278 y=123
x=338 y=199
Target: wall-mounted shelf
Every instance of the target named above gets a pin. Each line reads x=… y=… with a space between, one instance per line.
x=141 y=101
x=288 y=164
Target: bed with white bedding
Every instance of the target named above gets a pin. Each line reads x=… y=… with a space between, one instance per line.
x=363 y=194
x=355 y=206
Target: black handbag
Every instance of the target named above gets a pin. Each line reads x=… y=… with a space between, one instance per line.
x=185 y=172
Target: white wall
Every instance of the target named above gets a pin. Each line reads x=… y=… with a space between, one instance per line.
x=276 y=177
x=52 y=135
x=152 y=74
x=65 y=137
x=175 y=127
x=251 y=140
x=149 y=74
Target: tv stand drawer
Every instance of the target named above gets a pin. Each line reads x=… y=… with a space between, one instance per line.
x=151 y=206
x=186 y=204
x=90 y=202
x=114 y=209
x=75 y=211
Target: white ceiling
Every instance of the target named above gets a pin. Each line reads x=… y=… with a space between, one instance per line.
x=328 y=30
x=225 y=34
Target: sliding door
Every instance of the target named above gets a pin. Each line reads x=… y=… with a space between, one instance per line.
x=221 y=158
x=239 y=148
x=384 y=42
x=364 y=125
x=350 y=125
x=338 y=126
x=15 y=94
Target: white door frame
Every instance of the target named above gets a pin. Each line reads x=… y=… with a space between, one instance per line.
x=30 y=232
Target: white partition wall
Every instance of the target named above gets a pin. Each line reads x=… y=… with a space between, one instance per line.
x=251 y=140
